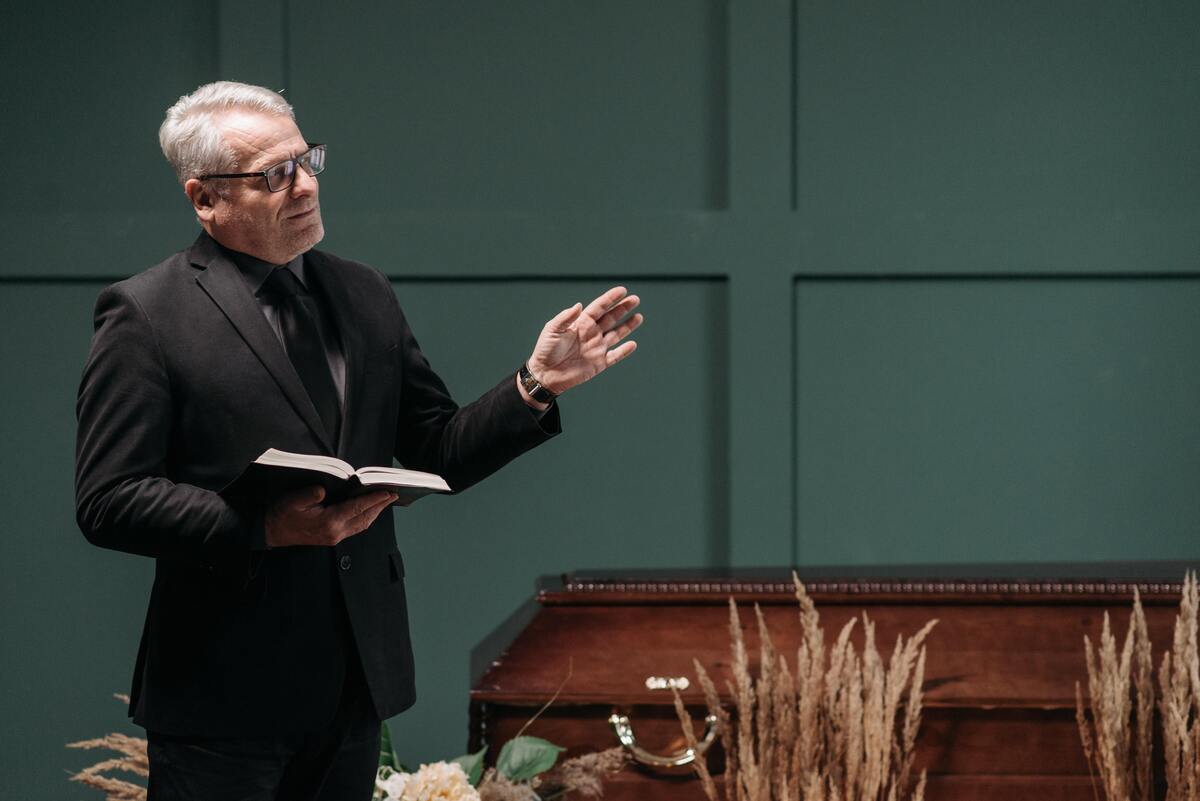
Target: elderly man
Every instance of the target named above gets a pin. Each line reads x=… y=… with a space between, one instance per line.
x=276 y=638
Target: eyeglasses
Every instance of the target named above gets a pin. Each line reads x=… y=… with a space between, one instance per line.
x=282 y=175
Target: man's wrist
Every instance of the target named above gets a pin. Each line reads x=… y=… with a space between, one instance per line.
x=529 y=400
x=532 y=386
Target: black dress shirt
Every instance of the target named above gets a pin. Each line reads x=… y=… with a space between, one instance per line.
x=255 y=272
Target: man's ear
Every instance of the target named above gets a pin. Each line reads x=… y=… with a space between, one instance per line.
x=204 y=199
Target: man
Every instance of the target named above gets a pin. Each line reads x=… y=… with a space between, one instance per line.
x=277 y=637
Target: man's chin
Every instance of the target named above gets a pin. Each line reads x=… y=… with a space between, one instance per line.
x=318 y=235
x=308 y=237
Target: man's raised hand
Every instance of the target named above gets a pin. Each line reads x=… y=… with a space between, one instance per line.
x=299 y=518
x=583 y=341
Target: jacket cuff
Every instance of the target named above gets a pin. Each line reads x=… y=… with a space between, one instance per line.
x=547 y=420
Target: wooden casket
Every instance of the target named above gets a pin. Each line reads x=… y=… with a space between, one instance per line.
x=1002 y=662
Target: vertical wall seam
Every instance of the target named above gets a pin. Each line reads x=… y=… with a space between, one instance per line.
x=725 y=201
x=794 y=350
x=285 y=49
x=794 y=116
x=218 y=61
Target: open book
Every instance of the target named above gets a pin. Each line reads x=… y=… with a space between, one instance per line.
x=276 y=472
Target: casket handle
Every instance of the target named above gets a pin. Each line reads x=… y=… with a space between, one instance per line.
x=624 y=731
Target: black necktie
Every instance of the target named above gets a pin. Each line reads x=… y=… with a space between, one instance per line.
x=299 y=321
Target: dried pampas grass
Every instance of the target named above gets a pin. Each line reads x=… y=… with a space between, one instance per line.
x=1117 y=736
x=133 y=760
x=829 y=728
x=1179 y=679
x=581 y=777
x=1117 y=741
x=494 y=787
x=584 y=776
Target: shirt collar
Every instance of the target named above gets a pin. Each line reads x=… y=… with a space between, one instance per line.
x=256 y=271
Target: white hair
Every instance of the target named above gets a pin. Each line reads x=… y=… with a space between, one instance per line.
x=190 y=136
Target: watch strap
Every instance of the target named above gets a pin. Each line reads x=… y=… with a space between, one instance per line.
x=534 y=387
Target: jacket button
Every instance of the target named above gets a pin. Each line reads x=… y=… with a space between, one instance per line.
x=344 y=562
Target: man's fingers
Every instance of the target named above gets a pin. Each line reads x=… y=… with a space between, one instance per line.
x=598 y=307
x=365 y=518
x=625 y=329
x=562 y=321
x=351 y=508
x=357 y=514
x=617 y=354
x=356 y=506
x=617 y=313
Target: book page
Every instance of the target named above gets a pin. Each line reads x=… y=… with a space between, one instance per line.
x=396 y=475
x=306 y=461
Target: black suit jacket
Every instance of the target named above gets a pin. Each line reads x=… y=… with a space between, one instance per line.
x=185 y=384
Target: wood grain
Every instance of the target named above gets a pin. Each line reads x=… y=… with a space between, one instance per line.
x=999 y=682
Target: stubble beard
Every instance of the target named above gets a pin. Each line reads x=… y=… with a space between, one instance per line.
x=279 y=243
x=306 y=238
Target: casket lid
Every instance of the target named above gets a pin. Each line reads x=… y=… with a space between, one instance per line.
x=617 y=633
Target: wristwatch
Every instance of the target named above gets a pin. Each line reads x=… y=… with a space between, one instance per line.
x=533 y=386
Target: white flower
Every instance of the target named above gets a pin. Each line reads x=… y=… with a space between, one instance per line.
x=391 y=784
x=439 y=781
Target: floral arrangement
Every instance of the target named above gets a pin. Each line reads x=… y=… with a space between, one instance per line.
x=440 y=780
x=527 y=769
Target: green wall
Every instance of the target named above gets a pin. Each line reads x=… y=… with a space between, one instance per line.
x=921 y=279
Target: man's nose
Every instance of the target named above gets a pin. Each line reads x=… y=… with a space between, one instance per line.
x=304 y=184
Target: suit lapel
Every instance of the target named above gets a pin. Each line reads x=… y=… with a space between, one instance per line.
x=222 y=281
x=341 y=305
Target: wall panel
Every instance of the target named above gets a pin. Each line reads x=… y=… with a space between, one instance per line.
x=72 y=613
x=523 y=105
x=88 y=93
x=85 y=182
x=996 y=420
x=998 y=137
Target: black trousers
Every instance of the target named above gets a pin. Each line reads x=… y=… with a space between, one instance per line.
x=337 y=764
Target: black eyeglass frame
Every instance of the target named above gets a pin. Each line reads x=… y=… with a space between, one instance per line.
x=263 y=173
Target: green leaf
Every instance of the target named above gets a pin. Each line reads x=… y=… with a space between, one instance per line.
x=387 y=755
x=522 y=758
x=472 y=765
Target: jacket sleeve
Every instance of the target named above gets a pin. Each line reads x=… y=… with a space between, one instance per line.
x=124 y=496
x=462 y=444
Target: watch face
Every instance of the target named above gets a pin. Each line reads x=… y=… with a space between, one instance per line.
x=535 y=390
